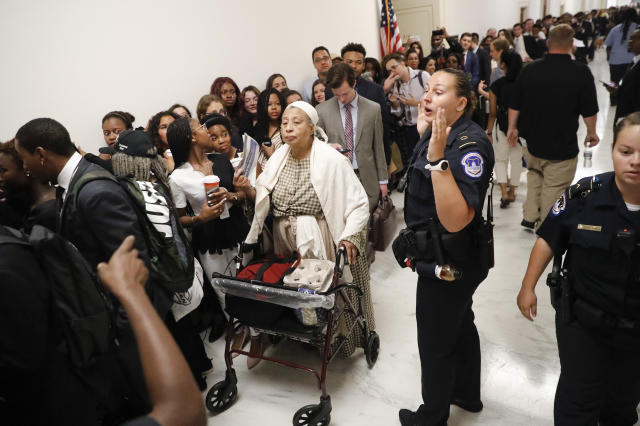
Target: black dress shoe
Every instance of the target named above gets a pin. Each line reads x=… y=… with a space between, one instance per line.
x=410 y=418
x=528 y=225
x=473 y=406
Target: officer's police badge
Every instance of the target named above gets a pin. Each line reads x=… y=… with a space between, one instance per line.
x=473 y=164
x=560 y=205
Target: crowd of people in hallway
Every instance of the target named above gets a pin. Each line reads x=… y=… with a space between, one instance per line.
x=106 y=258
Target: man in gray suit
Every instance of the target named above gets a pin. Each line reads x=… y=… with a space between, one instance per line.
x=354 y=125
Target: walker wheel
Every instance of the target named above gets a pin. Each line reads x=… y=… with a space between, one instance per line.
x=308 y=416
x=221 y=396
x=372 y=349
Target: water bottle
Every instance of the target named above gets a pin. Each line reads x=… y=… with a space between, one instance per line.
x=447 y=273
x=588 y=155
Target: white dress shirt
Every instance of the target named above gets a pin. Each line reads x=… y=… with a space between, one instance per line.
x=522 y=51
x=67 y=172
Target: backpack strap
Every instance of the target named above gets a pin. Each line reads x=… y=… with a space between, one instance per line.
x=71 y=200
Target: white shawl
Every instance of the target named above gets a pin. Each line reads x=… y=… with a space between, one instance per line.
x=342 y=197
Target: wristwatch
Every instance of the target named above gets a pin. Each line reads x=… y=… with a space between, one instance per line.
x=438 y=165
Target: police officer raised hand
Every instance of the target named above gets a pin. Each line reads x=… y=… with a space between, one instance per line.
x=448 y=177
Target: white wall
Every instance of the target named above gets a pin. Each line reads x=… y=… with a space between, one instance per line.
x=478 y=16
x=75 y=60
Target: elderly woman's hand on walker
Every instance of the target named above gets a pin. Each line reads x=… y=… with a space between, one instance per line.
x=350 y=250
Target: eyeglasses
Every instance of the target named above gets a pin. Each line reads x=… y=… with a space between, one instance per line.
x=202 y=126
x=322 y=59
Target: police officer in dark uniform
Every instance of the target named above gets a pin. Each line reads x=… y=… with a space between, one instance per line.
x=596 y=291
x=447 y=241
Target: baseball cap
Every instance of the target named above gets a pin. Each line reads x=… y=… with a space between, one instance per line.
x=136 y=143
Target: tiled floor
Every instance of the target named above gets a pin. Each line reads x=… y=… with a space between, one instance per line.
x=519 y=359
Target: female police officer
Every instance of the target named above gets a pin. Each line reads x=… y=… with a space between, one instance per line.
x=448 y=178
x=597 y=222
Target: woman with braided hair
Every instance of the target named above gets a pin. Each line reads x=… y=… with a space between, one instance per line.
x=150 y=168
x=266 y=132
x=138 y=158
x=217 y=222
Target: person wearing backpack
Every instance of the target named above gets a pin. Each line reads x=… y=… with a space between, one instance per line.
x=95 y=217
x=33 y=371
x=135 y=160
x=404 y=87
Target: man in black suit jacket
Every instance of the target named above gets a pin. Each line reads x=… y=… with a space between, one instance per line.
x=103 y=214
x=96 y=224
x=525 y=44
x=483 y=57
x=629 y=91
x=353 y=54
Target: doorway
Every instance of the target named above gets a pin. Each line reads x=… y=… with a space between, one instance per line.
x=524 y=11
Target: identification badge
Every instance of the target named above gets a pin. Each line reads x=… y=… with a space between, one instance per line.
x=593 y=228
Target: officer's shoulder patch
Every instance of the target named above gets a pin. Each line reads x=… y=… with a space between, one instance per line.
x=473 y=164
x=560 y=205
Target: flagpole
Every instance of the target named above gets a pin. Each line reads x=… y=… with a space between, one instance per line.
x=386 y=5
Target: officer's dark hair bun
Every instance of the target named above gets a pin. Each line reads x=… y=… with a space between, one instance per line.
x=463 y=87
x=629 y=120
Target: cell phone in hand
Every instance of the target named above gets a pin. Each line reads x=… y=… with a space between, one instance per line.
x=610 y=85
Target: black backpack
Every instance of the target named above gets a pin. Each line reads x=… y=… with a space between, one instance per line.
x=82 y=309
x=170 y=254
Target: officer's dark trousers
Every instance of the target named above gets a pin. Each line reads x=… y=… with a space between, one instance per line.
x=600 y=376
x=448 y=343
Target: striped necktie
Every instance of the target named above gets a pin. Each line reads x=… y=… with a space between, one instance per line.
x=348 y=130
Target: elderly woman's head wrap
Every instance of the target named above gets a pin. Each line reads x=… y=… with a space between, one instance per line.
x=313 y=116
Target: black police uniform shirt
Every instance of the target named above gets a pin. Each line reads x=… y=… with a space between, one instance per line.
x=470 y=156
x=600 y=234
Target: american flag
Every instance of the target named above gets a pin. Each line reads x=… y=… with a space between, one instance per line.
x=390 y=39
